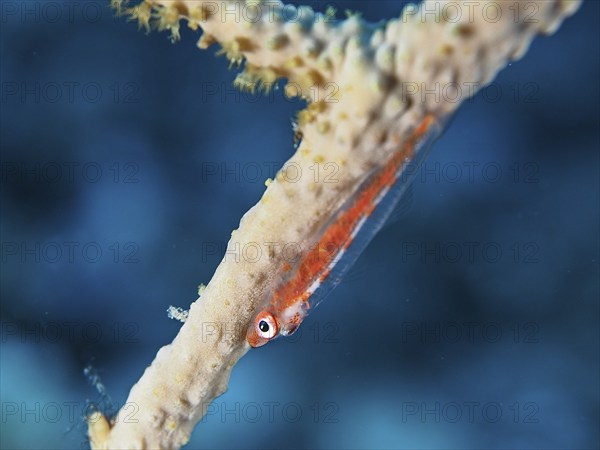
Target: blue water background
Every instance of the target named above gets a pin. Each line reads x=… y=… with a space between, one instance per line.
x=469 y=322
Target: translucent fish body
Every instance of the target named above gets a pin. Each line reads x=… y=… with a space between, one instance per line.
x=342 y=239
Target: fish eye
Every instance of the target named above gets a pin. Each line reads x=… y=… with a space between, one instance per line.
x=266 y=325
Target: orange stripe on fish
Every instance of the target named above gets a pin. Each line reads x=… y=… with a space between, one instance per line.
x=289 y=303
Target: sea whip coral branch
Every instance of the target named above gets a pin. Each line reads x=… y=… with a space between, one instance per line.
x=370 y=81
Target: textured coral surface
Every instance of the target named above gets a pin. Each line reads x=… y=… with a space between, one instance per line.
x=363 y=85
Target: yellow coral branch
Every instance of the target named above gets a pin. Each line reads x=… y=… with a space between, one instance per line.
x=368 y=99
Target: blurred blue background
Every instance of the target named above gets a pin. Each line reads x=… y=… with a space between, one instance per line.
x=470 y=322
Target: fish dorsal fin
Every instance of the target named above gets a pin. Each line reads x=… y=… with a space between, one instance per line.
x=391 y=204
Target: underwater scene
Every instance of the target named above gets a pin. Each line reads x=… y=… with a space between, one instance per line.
x=467 y=317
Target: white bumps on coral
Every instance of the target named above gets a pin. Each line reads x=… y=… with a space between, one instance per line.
x=364 y=85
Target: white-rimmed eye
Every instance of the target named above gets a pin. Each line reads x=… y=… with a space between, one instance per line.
x=266 y=325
